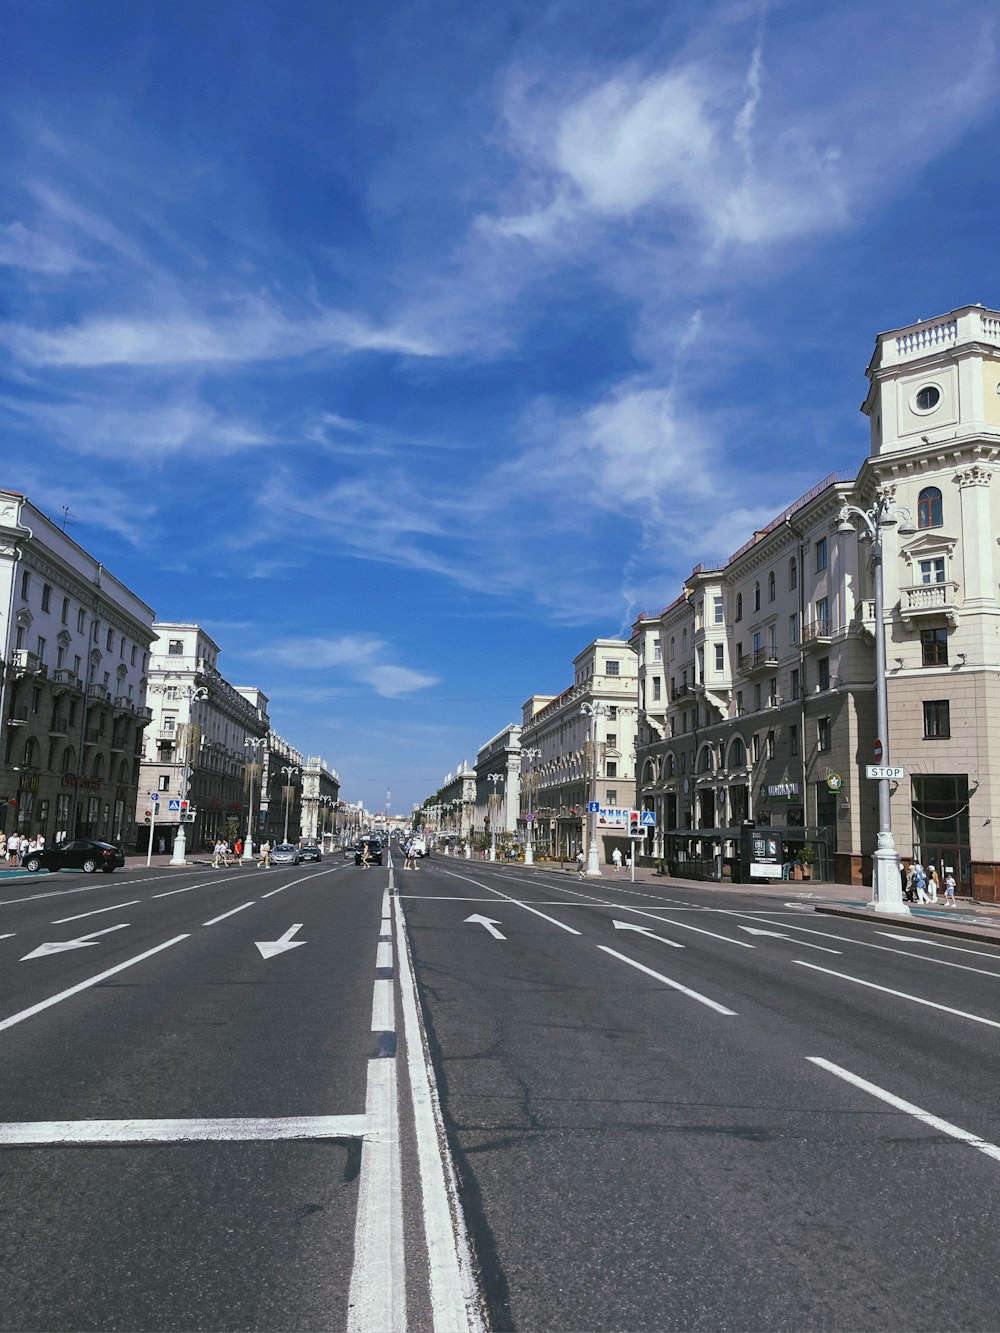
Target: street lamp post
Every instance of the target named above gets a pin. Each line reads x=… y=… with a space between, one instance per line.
x=256 y=744
x=593 y=712
x=887 y=892
x=196 y=694
x=289 y=771
x=529 y=851
x=497 y=780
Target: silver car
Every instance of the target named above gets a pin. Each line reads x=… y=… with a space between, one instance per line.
x=285 y=854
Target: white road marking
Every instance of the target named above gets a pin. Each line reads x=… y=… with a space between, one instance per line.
x=934 y=1121
x=383 y=1007
x=8 y=937
x=64 y=920
x=778 y=935
x=19 y=1134
x=454 y=1299
x=270 y=894
x=232 y=912
x=507 y=898
x=63 y=946
x=674 y=985
x=377 y=1298
x=914 y=937
x=488 y=924
x=645 y=930
x=268 y=948
x=902 y=995
x=383 y=954
x=83 y=985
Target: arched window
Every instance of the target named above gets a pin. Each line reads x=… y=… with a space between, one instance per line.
x=671 y=765
x=684 y=642
x=929 y=508
x=739 y=606
x=97 y=769
x=31 y=753
x=737 y=754
x=770 y=586
x=793 y=573
x=756 y=595
x=69 y=760
x=705 y=760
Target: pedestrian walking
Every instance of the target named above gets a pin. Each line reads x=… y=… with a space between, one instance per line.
x=3 y=846
x=365 y=858
x=217 y=852
x=265 y=855
x=616 y=857
x=933 y=883
x=909 y=882
x=14 y=847
x=238 y=848
x=949 y=888
x=409 y=858
x=579 y=863
x=920 y=883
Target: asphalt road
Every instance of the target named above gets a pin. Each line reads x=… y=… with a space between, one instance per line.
x=644 y=1134
x=741 y=1115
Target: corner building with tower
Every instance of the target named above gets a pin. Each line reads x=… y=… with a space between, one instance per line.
x=757 y=691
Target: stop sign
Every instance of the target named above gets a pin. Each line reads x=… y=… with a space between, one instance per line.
x=877 y=752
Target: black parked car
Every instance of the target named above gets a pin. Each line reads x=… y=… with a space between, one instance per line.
x=374 y=846
x=78 y=854
x=310 y=854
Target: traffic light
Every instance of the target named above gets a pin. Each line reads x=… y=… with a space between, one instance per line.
x=634 y=827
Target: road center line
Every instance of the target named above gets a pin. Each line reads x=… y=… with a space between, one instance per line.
x=902 y=995
x=91 y=981
x=935 y=1122
x=232 y=912
x=63 y=920
x=674 y=985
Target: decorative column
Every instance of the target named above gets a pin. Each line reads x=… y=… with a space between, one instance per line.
x=978 y=577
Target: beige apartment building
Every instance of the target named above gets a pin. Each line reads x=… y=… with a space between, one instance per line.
x=757 y=684
x=580 y=745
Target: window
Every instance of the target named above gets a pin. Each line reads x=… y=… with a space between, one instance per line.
x=739 y=703
x=927 y=398
x=25 y=584
x=175 y=647
x=46 y=596
x=821 y=554
x=41 y=649
x=756 y=595
x=932 y=571
x=60 y=658
x=611 y=741
x=823 y=616
x=739 y=606
x=673 y=645
x=795 y=689
x=111 y=639
x=657 y=651
x=772 y=692
x=613 y=712
x=611 y=770
x=657 y=687
x=823 y=673
x=169 y=721
x=770 y=586
x=612 y=667
x=929 y=508
x=133 y=654
x=65 y=611
x=757 y=697
x=793 y=628
x=717 y=610
x=77 y=664
x=934 y=647
x=36 y=699
x=81 y=620
x=793 y=739
x=720 y=657
x=824 y=734
x=937 y=718
x=611 y=796
x=164 y=782
x=769 y=745
x=684 y=643
x=96 y=629
x=793 y=573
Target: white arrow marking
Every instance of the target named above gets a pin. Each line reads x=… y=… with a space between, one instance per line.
x=644 y=930
x=487 y=924
x=268 y=948
x=84 y=942
x=751 y=930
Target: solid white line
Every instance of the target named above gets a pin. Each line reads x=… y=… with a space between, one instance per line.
x=915 y=937
x=64 y=919
x=675 y=985
x=682 y=925
x=517 y=903
x=377 y=1298
x=383 y=1008
x=83 y=985
x=902 y=995
x=232 y=912
x=383 y=954
x=935 y=1122
x=454 y=1299
x=17 y=1134
x=272 y=892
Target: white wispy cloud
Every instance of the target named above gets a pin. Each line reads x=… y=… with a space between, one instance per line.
x=361 y=657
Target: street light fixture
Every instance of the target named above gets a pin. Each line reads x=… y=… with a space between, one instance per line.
x=887 y=892
x=593 y=712
x=529 y=851
x=497 y=780
x=289 y=771
x=196 y=694
x=256 y=744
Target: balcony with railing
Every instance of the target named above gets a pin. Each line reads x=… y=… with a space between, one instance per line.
x=817 y=633
x=67 y=680
x=761 y=659
x=99 y=692
x=59 y=726
x=682 y=692
x=927 y=600
x=26 y=663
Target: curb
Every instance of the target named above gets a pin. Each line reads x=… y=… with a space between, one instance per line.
x=956 y=931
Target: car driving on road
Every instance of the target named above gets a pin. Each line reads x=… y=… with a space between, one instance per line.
x=310 y=854
x=374 y=846
x=285 y=854
x=86 y=854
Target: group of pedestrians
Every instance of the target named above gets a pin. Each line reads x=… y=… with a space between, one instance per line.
x=224 y=855
x=16 y=849
x=924 y=886
x=409 y=855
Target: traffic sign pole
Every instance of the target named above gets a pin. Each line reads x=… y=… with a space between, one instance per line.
x=154 y=805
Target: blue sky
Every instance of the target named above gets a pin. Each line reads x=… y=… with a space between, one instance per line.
x=408 y=347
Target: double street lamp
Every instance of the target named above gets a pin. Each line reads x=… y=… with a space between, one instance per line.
x=494 y=807
x=529 y=852
x=887 y=891
x=256 y=744
x=593 y=712
x=289 y=770
x=195 y=694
